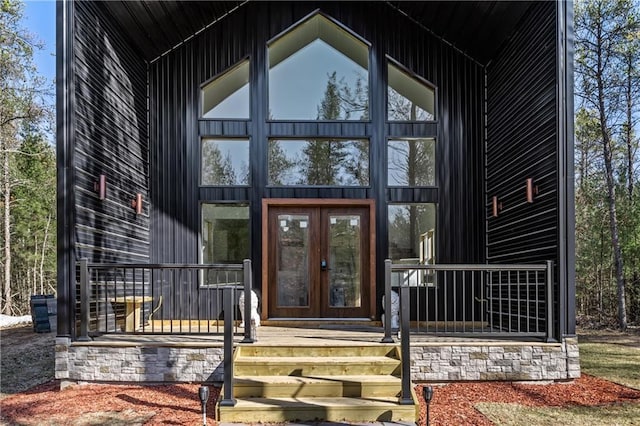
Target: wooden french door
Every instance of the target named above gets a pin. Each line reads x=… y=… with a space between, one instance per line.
x=318 y=262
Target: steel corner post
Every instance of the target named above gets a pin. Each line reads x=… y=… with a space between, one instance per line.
x=84 y=301
x=405 y=351
x=387 y=303
x=228 y=301
x=248 y=300
x=550 y=302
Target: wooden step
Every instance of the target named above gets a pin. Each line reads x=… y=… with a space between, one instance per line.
x=354 y=383
x=314 y=366
x=318 y=386
x=376 y=349
x=330 y=409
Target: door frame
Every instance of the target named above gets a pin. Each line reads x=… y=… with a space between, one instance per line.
x=268 y=203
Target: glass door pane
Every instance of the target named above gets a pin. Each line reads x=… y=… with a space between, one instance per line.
x=293 y=260
x=344 y=257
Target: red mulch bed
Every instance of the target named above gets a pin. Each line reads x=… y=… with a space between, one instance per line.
x=452 y=404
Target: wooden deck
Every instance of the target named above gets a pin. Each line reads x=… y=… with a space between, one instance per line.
x=292 y=333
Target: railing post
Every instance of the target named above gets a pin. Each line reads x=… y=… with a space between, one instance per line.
x=228 y=299
x=387 y=303
x=248 y=299
x=549 y=301
x=84 y=301
x=405 y=351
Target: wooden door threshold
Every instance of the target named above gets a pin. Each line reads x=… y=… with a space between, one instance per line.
x=320 y=322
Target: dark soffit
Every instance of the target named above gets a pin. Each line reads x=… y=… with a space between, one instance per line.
x=477 y=28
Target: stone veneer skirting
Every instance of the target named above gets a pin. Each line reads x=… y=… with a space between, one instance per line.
x=512 y=361
x=153 y=363
x=433 y=362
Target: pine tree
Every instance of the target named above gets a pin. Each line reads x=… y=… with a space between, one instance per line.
x=323 y=158
x=216 y=168
x=602 y=73
x=22 y=105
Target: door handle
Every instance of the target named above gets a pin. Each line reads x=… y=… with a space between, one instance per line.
x=323 y=265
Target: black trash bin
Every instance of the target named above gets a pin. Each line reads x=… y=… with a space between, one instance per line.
x=41 y=305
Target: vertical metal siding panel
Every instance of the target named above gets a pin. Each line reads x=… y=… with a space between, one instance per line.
x=175 y=103
x=111 y=139
x=459 y=138
x=521 y=143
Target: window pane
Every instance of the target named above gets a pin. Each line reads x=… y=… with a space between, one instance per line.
x=412 y=233
x=319 y=162
x=344 y=255
x=408 y=98
x=227 y=96
x=293 y=260
x=411 y=162
x=225 y=233
x=225 y=162
x=318 y=71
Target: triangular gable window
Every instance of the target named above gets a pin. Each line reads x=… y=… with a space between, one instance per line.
x=318 y=71
x=409 y=98
x=227 y=95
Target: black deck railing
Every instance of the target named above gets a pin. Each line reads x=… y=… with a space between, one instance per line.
x=474 y=300
x=129 y=299
x=157 y=298
x=467 y=300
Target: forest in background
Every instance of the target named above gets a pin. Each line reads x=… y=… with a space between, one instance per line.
x=607 y=164
x=607 y=73
x=28 y=176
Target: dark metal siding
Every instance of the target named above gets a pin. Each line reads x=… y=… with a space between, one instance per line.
x=175 y=133
x=175 y=81
x=459 y=81
x=111 y=139
x=522 y=143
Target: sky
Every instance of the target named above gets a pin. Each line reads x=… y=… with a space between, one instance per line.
x=40 y=20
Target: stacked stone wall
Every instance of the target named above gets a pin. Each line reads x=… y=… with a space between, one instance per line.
x=150 y=363
x=491 y=361
x=433 y=362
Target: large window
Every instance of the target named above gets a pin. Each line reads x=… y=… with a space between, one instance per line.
x=318 y=71
x=412 y=233
x=408 y=98
x=224 y=162
x=412 y=240
x=225 y=233
x=411 y=162
x=227 y=96
x=320 y=161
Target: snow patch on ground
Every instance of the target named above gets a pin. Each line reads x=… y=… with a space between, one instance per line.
x=9 y=321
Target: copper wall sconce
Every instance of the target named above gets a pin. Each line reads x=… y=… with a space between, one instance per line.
x=531 y=190
x=496 y=206
x=100 y=187
x=136 y=203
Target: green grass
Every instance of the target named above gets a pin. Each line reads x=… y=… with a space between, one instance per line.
x=514 y=414
x=617 y=363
